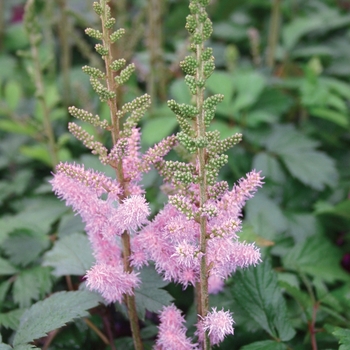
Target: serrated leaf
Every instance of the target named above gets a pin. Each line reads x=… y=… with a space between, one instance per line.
x=150 y=297
x=11 y=319
x=6 y=268
x=38 y=216
x=317 y=257
x=265 y=345
x=25 y=347
x=297 y=152
x=31 y=284
x=24 y=246
x=52 y=313
x=71 y=255
x=301 y=297
x=343 y=335
x=257 y=292
x=269 y=166
x=4 y=288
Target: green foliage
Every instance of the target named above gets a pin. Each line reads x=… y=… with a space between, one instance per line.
x=151 y=296
x=54 y=312
x=344 y=337
x=257 y=292
x=71 y=255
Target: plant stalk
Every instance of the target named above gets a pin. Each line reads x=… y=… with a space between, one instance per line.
x=201 y=156
x=273 y=32
x=113 y=107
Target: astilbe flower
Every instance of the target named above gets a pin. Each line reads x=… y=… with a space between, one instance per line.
x=172 y=332
x=218 y=324
x=171 y=240
x=105 y=221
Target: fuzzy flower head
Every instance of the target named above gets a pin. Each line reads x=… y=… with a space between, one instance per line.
x=133 y=212
x=111 y=281
x=171 y=240
x=218 y=324
x=172 y=332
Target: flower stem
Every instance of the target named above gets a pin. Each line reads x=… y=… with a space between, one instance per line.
x=201 y=157
x=113 y=107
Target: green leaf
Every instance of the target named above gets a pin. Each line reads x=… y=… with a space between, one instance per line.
x=340 y=87
x=23 y=246
x=11 y=319
x=179 y=91
x=38 y=152
x=301 y=297
x=69 y=224
x=265 y=216
x=149 y=296
x=273 y=101
x=265 y=345
x=301 y=225
x=52 y=313
x=15 y=127
x=297 y=152
x=158 y=128
x=12 y=94
x=342 y=209
x=257 y=292
x=37 y=215
x=4 y=288
x=31 y=284
x=317 y=257
x=222 y=83
x=343 y=335
x=71 y=255
x=249 y=86
x=269 y=166
x=6 y=268
x=25 y=347
x=330 y=115
x=257 y=117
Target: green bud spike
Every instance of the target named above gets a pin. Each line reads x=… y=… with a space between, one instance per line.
x=93 y=33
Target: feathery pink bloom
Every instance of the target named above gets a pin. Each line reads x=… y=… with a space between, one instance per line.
x=218 y=324
x=133 y=212
x=104 y=220
x=132 y=163
x=171 y=240
x=111 y=281
x=215 y=284
x=172 y=332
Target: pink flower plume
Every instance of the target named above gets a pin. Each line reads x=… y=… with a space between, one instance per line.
x=111 y=281
x=218 y=324
x=172 y=332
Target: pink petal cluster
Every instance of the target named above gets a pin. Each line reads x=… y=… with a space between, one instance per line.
x=172 y=332
x=111 y=281
x=218 y=324
x=171 y=240
x=105 y=221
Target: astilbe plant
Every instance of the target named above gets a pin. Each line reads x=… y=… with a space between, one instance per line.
x=193 y=240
